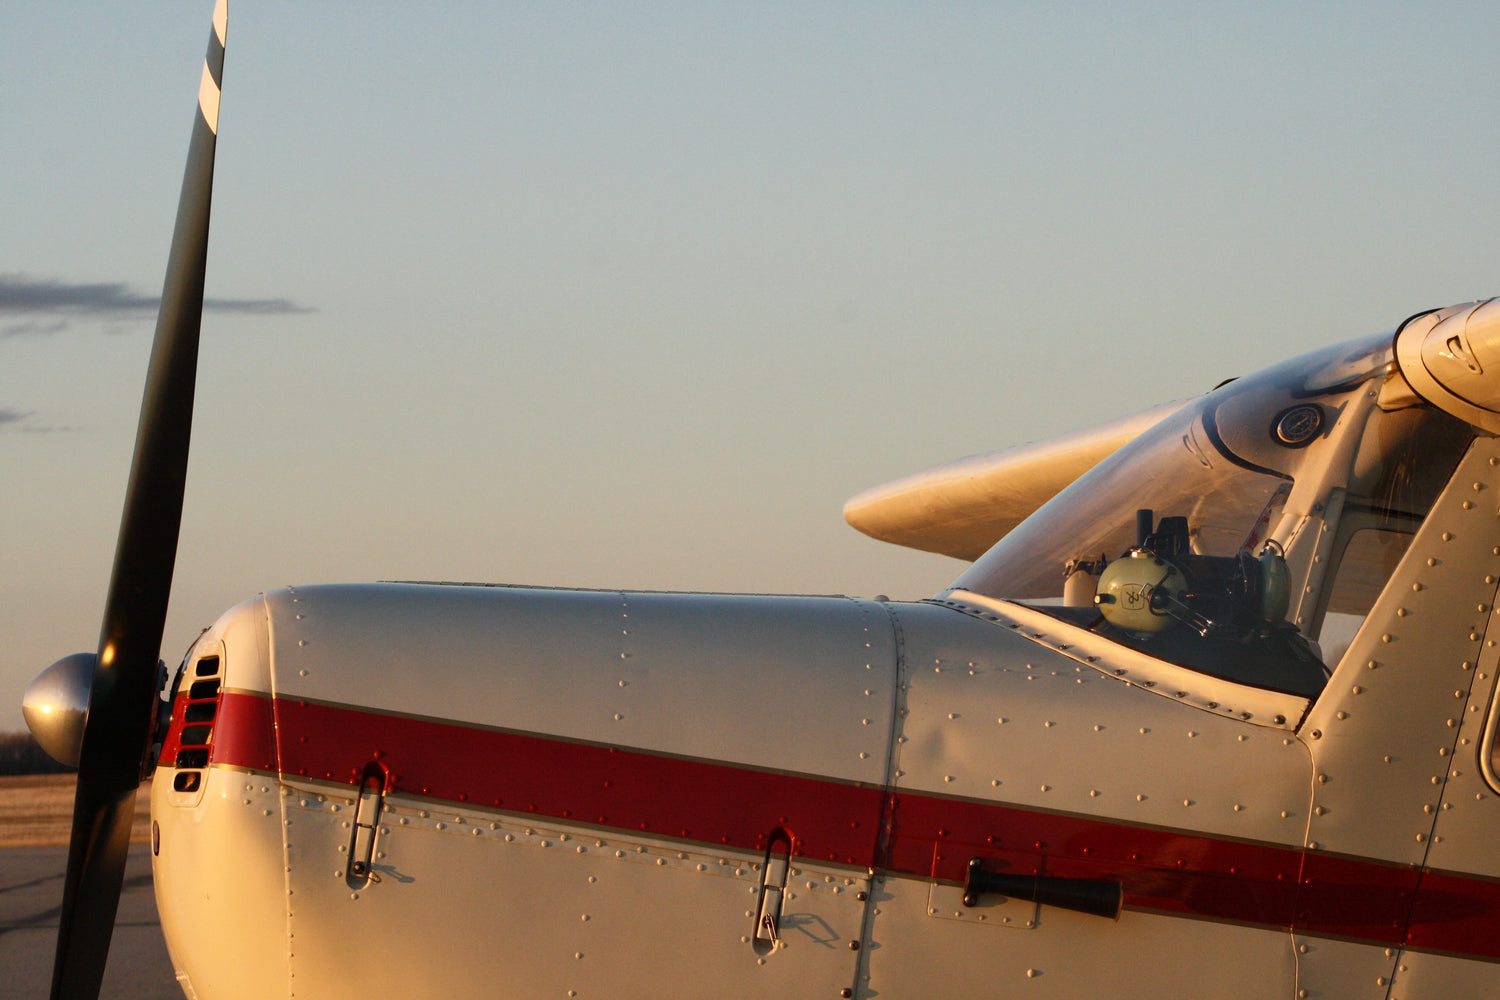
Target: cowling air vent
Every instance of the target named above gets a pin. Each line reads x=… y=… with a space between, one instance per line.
x=196 y=734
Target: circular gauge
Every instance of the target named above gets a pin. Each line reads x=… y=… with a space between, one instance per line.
x=1296 y=427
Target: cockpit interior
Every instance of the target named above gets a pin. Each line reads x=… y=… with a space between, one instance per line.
x=1248 y=534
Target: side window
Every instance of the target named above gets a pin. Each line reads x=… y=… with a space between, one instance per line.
x=1364 y=559
x=1403 y=462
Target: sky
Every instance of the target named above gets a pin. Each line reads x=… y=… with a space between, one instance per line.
x=638 y=295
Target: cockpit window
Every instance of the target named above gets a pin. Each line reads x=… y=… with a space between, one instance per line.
x=1232 y=536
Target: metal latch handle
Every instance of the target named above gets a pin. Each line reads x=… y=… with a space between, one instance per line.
x=775 y=868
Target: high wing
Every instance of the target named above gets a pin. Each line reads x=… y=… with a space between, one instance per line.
x=962 y=507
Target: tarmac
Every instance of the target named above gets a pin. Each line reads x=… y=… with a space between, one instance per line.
x=31 y=884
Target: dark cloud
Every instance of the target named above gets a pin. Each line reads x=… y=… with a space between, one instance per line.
x=266 y=307
x=20 y=422
x=21 y=295
x=31 y=328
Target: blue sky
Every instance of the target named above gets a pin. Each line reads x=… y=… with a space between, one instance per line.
x=627 y=295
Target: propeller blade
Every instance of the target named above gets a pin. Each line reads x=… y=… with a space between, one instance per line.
x=121 y=715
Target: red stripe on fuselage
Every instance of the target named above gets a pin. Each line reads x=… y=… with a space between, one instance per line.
x=720 y=803
x=245 y=731
x=1165 y=870
x=598 y=785
x=1458 y=914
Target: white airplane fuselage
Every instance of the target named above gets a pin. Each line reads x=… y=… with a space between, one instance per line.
x=575 y=793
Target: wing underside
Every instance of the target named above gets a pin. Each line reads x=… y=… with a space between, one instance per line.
x=962 y=507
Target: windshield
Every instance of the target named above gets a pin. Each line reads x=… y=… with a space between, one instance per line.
x=1263 y=516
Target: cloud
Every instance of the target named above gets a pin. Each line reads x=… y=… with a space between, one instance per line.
x=22 y=295
x=31 y=328
x=258 y=307
x=20 y=422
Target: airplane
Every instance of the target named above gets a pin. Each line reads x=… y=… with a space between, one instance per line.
x=1212 y=713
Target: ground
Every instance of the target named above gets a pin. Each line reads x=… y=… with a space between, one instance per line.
x=34 y=824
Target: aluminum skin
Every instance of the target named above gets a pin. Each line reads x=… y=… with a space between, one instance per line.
x=580 y=788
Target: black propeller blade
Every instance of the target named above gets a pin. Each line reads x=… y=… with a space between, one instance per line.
x=122 y=701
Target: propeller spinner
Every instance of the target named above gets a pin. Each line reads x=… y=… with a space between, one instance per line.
x=102 y=708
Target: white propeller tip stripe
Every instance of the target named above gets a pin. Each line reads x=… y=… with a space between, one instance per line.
x=208 y=98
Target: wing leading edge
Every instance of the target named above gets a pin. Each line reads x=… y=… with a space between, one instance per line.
x=962 y=507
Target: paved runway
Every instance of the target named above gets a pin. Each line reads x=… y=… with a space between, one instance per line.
x=31 y=880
